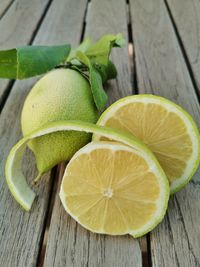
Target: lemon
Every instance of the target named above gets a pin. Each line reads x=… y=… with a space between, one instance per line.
x=167 y=129
x=24 y=195
x=62 y=94
x=120 y=190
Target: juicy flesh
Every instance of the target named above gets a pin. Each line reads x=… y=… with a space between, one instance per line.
x=115 y=191
x=163 y=131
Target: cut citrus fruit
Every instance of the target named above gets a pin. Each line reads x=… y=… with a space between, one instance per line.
x=18 y=186
x=119 y=190
x=167 y=129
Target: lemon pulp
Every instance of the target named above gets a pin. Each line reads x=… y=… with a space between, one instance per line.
x=117 y=191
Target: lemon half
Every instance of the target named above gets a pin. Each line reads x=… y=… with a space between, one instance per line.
x=168 y=130
x=110 y=188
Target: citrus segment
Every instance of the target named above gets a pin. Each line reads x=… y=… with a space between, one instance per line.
x=119 y=189
x=164 y=127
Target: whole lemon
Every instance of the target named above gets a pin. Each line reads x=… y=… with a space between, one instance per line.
x=62 y=94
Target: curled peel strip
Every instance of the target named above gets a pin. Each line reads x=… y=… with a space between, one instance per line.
x=16 y=181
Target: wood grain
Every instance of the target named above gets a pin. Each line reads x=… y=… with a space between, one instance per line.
x=186 y=16
x=17 y=27
x=69 y=244
x=161 y=70
x=20 y=231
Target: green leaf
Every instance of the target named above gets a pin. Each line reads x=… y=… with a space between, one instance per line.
x=98 y=54
x=8 y=64
x=82 y=47
x=107 y=72
x=83 y=58
x=29 y=61
x=99 y=95
x=100 y=51
x=111 y=70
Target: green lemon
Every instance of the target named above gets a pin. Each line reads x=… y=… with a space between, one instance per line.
x=62 y=94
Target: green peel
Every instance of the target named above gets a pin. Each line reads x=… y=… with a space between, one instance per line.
x=17 y=183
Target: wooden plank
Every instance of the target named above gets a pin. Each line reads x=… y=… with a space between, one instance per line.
x=21 y=232
x=69 y=244
x=101 y=20
x=17 y=27
x=186 y=16
x=161 y=70
x=4 y=6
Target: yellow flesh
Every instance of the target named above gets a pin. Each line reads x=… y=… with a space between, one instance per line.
x=110 y=191
x=163 y=131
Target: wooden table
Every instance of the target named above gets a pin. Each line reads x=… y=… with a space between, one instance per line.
x=162 y=56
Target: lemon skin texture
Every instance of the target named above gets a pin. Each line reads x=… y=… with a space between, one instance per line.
x=62 y=94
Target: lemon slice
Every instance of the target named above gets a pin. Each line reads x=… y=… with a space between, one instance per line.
x=167 y=129
x=110 y=188
x=16 y=181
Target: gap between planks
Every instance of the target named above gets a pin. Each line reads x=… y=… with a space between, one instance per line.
x=56 y=176
x=84 y=21
x=183 y=50
x=145 y=244
x=6 y=94
x=131 y=52
x=6 y=8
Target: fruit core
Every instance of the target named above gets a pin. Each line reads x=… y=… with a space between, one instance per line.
x=108 y=192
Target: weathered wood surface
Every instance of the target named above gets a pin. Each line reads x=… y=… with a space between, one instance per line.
x=21 y=232
x=187 y=20
x=161 y=70
x=4 y=5
x=17 y=27
x=18 y=228
x=69 y=244
x=105 y=17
